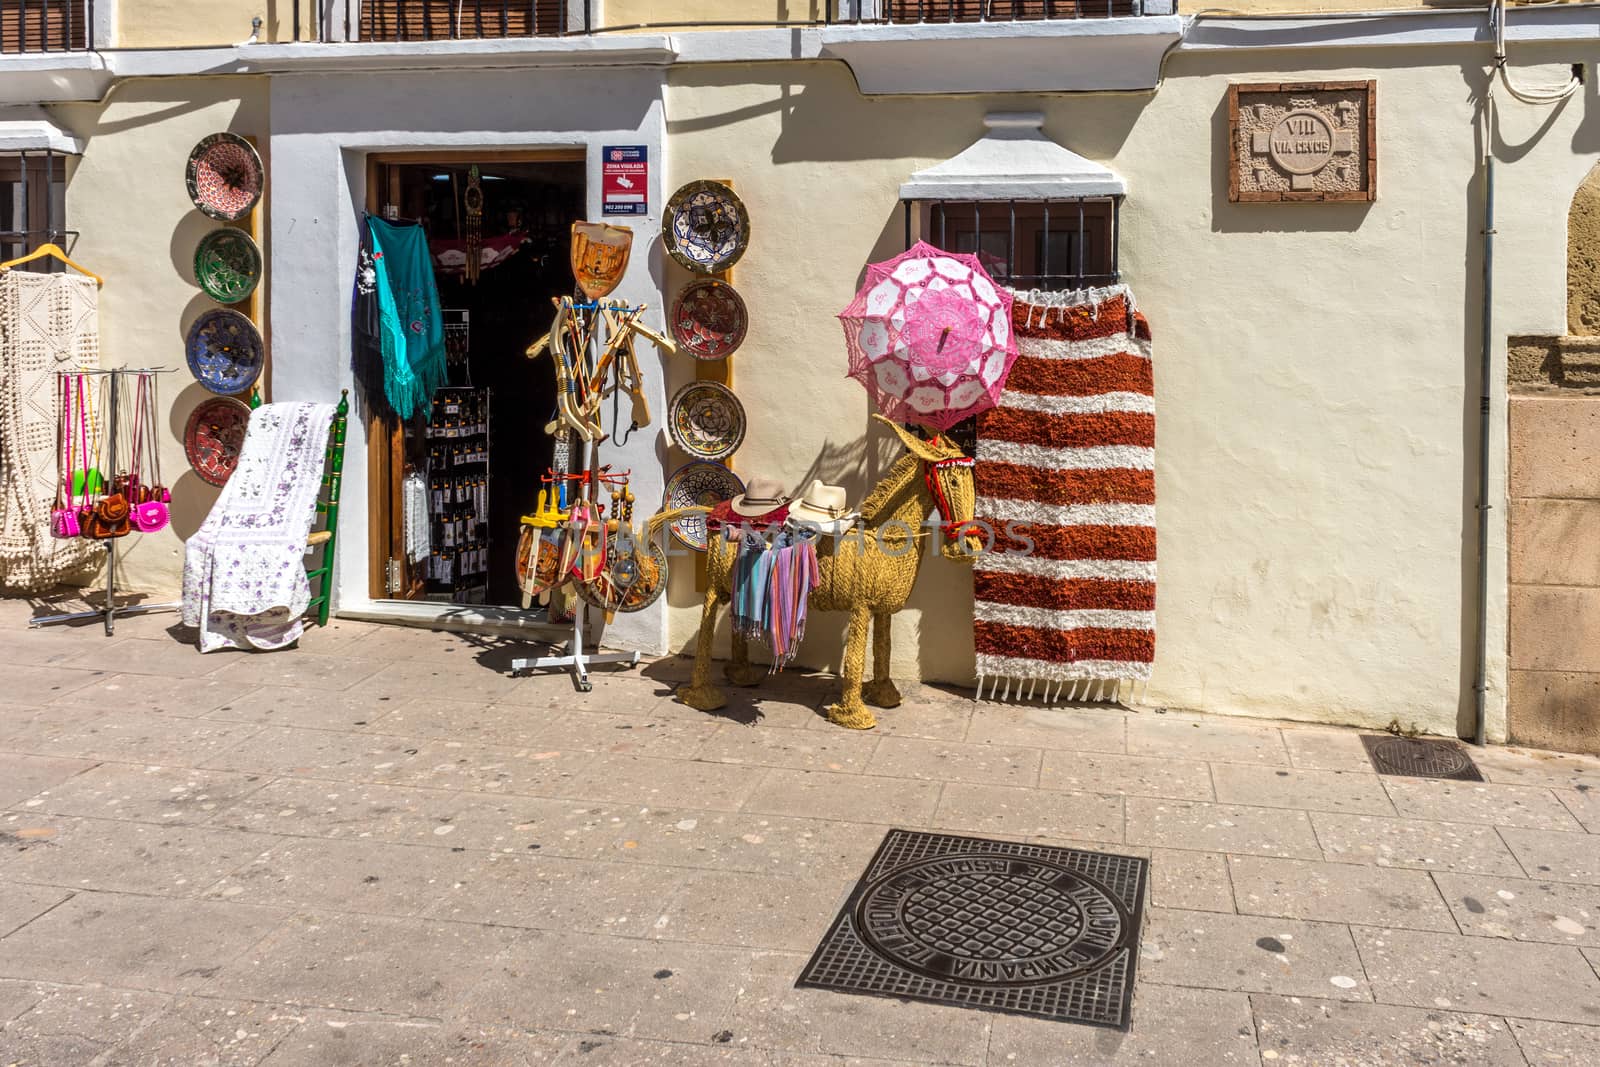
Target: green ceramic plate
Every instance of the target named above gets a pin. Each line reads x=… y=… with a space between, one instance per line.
x=227 y=264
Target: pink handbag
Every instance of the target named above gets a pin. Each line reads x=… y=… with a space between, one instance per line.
x=150 y=511
x=65 y=519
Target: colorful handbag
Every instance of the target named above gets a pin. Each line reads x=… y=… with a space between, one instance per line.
x=149 y=497
x=111 y=517
x=64 y=513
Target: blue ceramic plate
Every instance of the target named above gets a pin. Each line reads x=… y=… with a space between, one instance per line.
x=705 y=484
x=706 y=228
x=224 y=351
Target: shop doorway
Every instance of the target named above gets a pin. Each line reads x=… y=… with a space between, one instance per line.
x=479 y=450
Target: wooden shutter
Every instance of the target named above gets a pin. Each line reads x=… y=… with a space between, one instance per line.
x=432 y=20
x=44 y=25
x=1004 y=10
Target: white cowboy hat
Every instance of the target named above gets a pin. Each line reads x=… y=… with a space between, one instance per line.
x=761 y=496
x=825 y=507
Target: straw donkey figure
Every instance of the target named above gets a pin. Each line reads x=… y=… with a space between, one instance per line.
x=869 y=574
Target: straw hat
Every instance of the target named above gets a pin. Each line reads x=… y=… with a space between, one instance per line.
x=761 y=497
x=825 y=507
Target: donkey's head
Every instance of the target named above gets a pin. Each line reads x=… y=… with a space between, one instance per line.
x=947 y=472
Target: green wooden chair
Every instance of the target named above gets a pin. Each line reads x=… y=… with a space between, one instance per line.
x=321 y=574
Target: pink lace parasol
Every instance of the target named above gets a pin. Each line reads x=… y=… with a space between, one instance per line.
x=929 y=336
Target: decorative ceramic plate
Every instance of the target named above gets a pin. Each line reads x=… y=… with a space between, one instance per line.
x=644 y=590
x=213 y=437
x=706 y=228
x=706 y=420
x=227 y=264
x=703 y=484
x=709 y=319
x=224 y=351
x=225 y=176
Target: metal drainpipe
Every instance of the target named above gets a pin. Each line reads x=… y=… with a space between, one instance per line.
x=1480 y=684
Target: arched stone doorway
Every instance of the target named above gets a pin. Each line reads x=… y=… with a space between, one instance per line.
x=1554 y=565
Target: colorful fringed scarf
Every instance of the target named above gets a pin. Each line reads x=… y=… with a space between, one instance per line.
x=412 y=329
x=1068 y=458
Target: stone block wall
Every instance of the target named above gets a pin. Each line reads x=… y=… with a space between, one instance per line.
x=1554 y=564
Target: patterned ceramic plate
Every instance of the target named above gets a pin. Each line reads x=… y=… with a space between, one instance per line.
x=709 y=319
x=227 y=264
x=706 y=228
x=706 y=420
x=703 y=484
x=225 y=177
x=645 y=590
x=213 y=437
x=224 y=351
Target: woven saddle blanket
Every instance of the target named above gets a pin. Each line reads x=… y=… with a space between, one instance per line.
x=1066 y=479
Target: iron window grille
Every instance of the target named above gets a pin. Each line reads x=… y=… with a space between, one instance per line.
x=46 y=25
x=1027 y=244
x=33 y=205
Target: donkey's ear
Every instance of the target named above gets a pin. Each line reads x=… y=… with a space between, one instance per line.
x=931 y=451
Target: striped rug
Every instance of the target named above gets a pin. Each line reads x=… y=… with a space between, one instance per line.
x=1066 y=462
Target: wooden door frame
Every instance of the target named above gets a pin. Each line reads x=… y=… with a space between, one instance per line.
x=385 y=433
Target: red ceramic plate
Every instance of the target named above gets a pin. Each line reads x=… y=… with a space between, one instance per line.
x=213 y=437
x=709 y=319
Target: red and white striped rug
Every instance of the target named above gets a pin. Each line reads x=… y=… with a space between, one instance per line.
x=1066 y=479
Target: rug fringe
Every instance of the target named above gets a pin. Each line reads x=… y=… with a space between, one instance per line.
x=1040 y=689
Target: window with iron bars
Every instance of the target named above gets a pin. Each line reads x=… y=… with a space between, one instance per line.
x=46 y=25
x=1024 y=245
x=33 y=205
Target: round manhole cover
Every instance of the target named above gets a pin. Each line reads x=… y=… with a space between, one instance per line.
x=987 y=919
x=1421 y=759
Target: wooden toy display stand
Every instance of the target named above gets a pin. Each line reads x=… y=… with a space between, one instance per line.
x=573 y=657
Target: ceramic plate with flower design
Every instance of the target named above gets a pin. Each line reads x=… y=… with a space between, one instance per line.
x=213 y=437
x=227 y=264
x=224 y=351
x=706 y=228
x=225 y=176
x=699 y=484
x=709 y=319
x=706 y=420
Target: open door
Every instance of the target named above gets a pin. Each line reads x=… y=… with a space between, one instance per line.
x=513 y=212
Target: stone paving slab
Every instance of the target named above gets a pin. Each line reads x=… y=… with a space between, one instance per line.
x=136 y=941
x=23 y=776
x=21 y=904
x=1533 y=807
x=1220 y=828
x=1145 y=776
x=1277 y=787
x=1338 y=892
x=1211 y=739
x=1433 y=846
x=1171 y=1025
x=1003 y=811
x=1190 y=881
x=1320 y=1033
x=1522 y=909
x=171 y=796
x=1251 y=954
x=121 y=857
x=1480 y=974
x=1556 y=856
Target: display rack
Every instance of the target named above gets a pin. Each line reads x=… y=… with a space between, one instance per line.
x=111 y=611
x=573 y=656
x=458 y=483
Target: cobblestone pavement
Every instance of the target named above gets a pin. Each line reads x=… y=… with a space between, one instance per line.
x=381 y=849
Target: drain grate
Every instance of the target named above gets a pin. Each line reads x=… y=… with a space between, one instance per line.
x=1420 y=757
x=996 y=925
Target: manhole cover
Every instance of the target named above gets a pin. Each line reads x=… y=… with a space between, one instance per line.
x=1420 y=757
x=990 y=924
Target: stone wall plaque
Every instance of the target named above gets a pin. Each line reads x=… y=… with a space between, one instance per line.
x=1295 y=141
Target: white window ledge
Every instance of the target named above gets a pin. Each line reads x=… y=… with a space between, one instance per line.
x=509 y=52
x=1039 y=56
x=47 y=77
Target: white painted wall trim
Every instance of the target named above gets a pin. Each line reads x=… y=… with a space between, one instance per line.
x=1555 y=24
x=631 y=50
x=29 y=129
x=1063 y=55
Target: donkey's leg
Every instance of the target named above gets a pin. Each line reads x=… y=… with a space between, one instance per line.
x=700 y=693
x=881 y=691
x=850 y=712
x=740 y=671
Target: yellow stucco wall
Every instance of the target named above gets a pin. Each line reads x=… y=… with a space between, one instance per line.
x=139 y=231
x=1314 y=363
x=178 y=23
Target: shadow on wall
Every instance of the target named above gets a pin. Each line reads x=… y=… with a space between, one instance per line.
x=191 y=497
x=908 y=127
